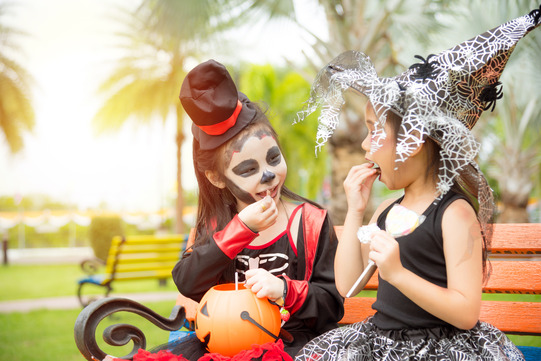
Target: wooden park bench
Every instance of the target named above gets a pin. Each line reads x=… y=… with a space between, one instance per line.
x=516 y=269
x=133 y=258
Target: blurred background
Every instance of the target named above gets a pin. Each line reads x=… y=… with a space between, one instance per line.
x=93 y=140
x=91 y=125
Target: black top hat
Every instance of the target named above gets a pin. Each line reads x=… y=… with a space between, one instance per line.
x=218 y=111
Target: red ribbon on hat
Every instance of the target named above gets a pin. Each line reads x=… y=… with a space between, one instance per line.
x=223 y=126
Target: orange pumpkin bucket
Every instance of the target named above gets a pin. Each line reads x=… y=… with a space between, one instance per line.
x=234 y=320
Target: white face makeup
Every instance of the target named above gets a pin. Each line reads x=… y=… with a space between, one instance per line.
x=380 y=149
x=257 y=168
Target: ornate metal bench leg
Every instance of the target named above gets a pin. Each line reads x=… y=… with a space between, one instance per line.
x=86 y=300
x=119 y=334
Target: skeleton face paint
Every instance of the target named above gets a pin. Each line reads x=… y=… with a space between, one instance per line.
x=256 y=168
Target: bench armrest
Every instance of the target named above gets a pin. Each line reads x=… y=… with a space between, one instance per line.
x=119 y=334
x=91 y=266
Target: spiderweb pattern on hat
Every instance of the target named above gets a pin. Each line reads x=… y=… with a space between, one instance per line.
x=421 y=118
x=442 y=97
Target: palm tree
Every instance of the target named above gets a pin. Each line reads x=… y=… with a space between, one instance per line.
x=512 y=134
x=16 y=111
x=146 y=82
x=515 y=160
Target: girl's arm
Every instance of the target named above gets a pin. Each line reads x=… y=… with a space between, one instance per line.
x=202 y=267
x=459 y=304
x=349 y=261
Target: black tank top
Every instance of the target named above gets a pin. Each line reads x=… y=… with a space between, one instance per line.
x=421 y=252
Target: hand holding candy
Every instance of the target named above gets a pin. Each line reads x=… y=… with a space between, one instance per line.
x=260 y=215
x=358 y=185
x=400 y=221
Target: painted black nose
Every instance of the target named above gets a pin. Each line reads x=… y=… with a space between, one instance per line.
x=267 y=177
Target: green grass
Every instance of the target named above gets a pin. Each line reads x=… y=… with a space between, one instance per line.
x=36 y=281
x=48 y=335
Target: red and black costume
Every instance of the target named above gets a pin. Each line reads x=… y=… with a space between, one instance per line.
x=314 y=303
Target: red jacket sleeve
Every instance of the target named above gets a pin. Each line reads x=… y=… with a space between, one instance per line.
x=297 y=290
x=234 y=237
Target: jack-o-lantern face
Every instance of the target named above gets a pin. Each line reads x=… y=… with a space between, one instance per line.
x=228 y=319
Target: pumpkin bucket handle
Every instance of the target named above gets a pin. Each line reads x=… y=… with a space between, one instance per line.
x=245 y=315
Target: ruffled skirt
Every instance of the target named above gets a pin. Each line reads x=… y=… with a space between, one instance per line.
x=364 y=341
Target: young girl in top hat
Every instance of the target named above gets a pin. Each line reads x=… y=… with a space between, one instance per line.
x=430 y=244
x=246 y=215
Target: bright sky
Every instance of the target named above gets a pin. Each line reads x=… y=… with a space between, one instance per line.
x=70 y=50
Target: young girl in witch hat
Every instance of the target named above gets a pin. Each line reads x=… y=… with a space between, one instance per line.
x=248 y=223
x=430 y=245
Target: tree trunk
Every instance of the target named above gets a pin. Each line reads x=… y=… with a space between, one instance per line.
x=514 y=204
x=513 y=214
x=179 y=222
x=515 y=185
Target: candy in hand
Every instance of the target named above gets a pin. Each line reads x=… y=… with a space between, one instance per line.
x=402 y=221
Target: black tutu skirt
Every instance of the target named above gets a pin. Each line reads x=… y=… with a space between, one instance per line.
x=364 y=341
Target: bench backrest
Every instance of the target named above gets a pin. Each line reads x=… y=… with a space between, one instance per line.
x=141 y=256
x=516 y=269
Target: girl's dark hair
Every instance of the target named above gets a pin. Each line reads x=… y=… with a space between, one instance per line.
x=464 y=184
x=218 y=206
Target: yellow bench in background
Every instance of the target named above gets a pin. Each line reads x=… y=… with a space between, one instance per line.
x=134 y=258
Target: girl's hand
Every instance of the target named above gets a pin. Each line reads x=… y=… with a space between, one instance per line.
x=264 y=284
x=358 y=185
x=260 y=215
x=385 y=251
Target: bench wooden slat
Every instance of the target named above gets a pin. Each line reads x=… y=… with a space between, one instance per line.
x=516 y=238
x=139 y=276
x=150 y=264
x=508 y=277
x=146 y=249
x=510 y=317
x=357 y=309
x=149 y=258
x=513 y=317
x=177 y=239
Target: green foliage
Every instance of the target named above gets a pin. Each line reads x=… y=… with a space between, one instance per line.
x=16 y=111
x=102 y=230
x=63 y=237
x=32 y=202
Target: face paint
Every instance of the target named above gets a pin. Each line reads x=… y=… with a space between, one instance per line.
x=267 y=177
x=238 y=193
x=256 y=168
